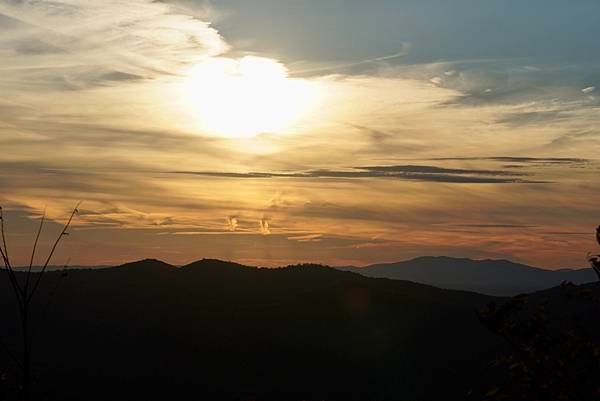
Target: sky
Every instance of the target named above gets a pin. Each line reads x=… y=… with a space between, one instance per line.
x=273 y=132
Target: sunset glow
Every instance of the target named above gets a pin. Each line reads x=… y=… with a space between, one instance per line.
x=245 y=97
x=338 y=134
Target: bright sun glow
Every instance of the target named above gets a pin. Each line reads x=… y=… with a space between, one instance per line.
x=246 y=97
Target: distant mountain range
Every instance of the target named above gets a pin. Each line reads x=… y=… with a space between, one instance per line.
x=498 y=277
x=492 y=277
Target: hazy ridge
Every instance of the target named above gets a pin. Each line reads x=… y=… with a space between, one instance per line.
x=493 y=277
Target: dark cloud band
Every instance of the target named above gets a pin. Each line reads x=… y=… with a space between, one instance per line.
x=407 y=172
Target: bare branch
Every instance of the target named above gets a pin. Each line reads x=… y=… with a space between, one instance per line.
x=37 y=237
x=595 y=259
x=595 y=262
x=2 y=231
x=11 y=274
x=13 y=281
x=24 y=297
x=58 y=239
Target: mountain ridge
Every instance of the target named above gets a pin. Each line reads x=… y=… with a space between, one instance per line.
x=242 y=325
x=457 y=259
x=496 y=277
x=303 y=332
x=500 y=277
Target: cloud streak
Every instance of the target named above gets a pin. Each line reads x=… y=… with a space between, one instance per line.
x=407 y=172
x=523 y=160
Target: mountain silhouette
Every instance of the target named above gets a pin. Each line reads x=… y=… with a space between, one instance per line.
x=493 y=277
x=215 y=330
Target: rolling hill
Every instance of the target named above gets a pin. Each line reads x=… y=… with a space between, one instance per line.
x=216 y=330
x=222 y=331
x=493 y=277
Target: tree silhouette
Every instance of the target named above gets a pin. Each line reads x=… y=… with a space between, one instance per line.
x=595 y=259
x=555 y=349
x=24 y=292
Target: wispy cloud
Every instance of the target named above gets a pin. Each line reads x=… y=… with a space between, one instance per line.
x=67 y=45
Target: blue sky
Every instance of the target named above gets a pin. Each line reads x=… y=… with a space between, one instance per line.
x=324 y=30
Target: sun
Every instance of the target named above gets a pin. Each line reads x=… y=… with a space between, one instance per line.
x=241 y=98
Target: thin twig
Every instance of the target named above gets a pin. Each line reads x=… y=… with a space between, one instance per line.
x=41 y=273
x=24 y=297
x=37 y=237
x=2 y=230
x=13 y=283
x=20 y=295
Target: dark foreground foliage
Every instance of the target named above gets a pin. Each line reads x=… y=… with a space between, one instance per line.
x=554 y=339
